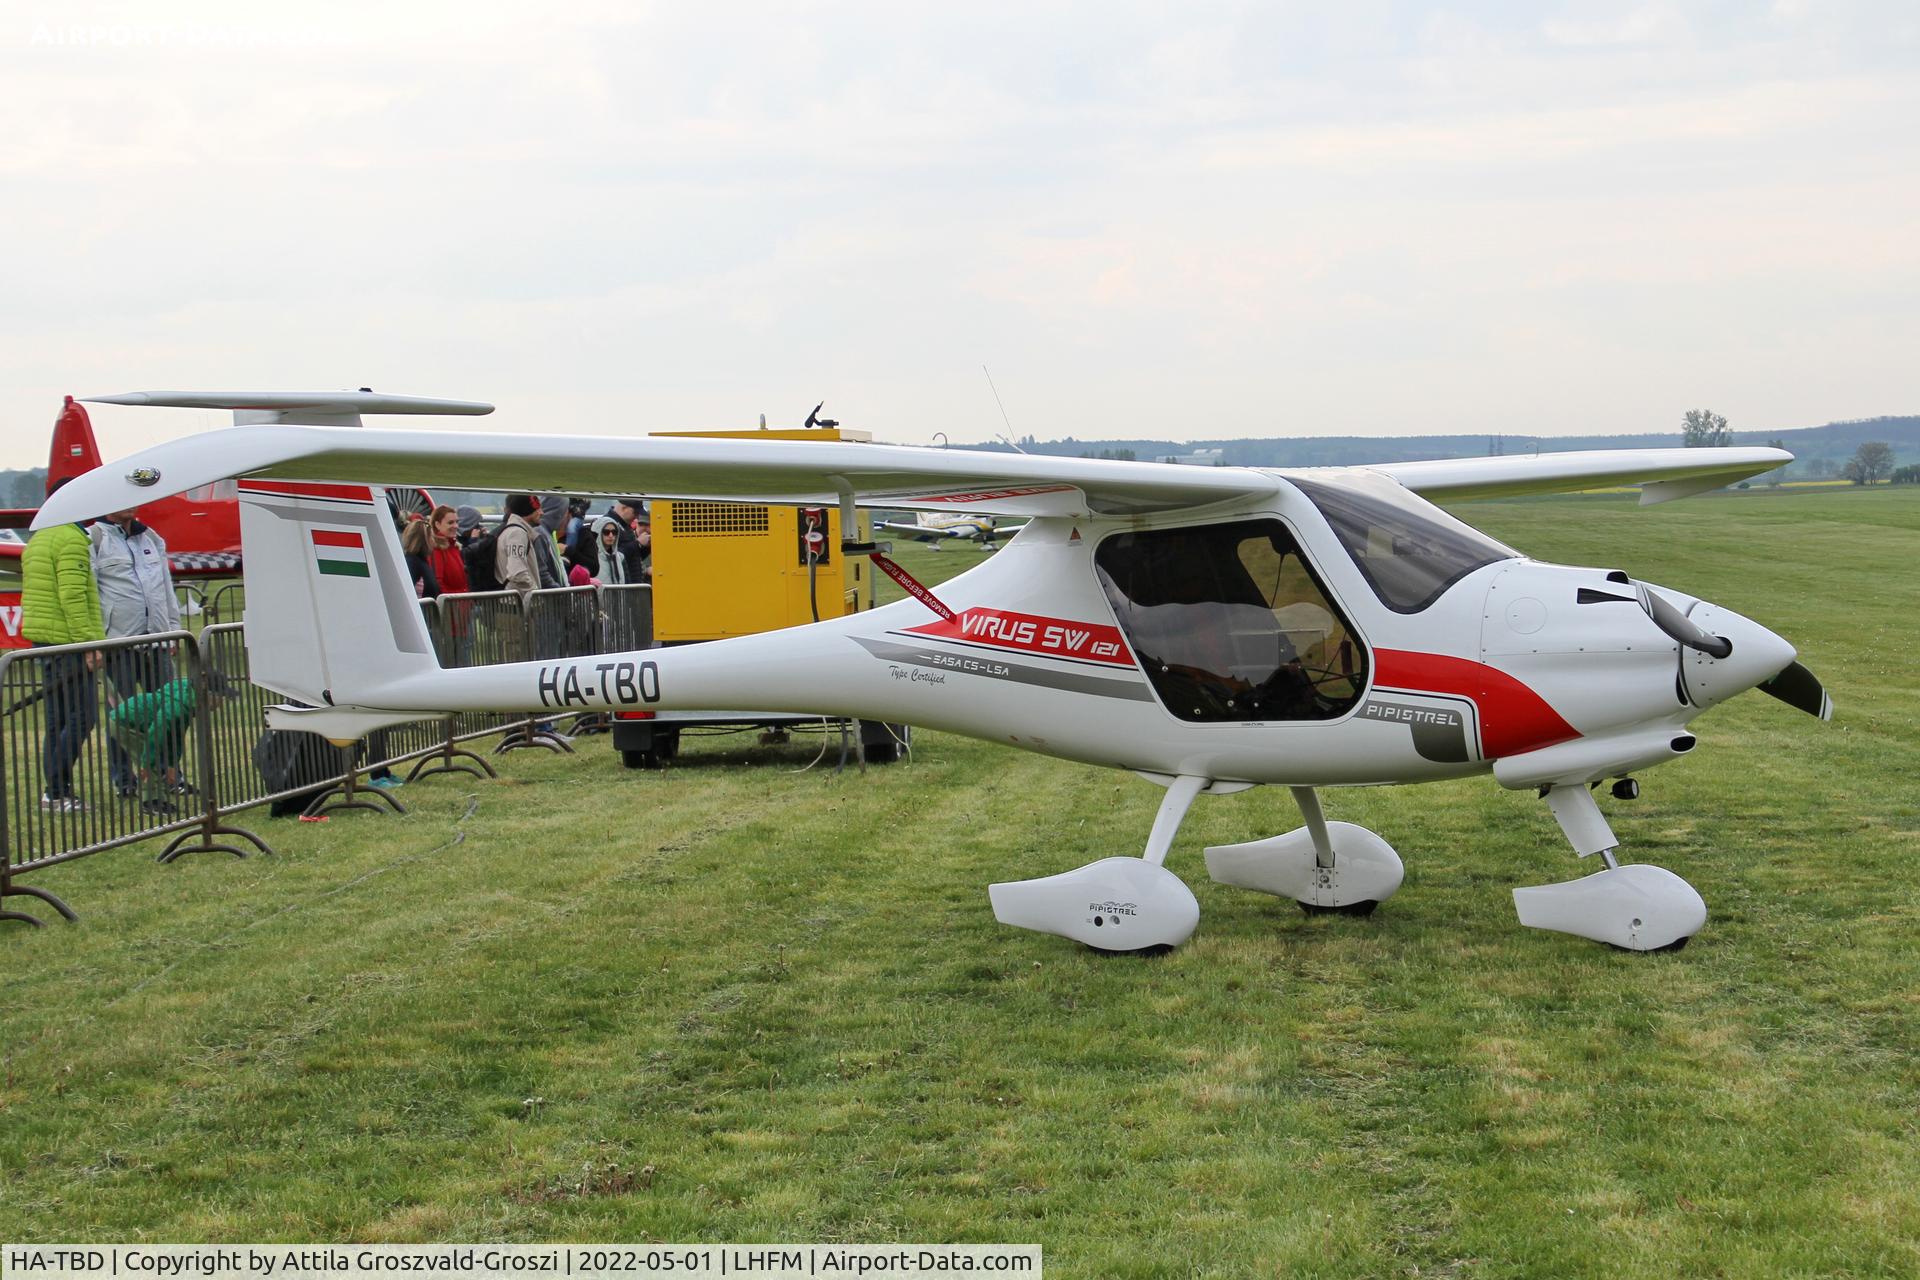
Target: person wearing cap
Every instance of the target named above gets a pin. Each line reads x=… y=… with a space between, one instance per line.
x=576 y=516
x=638 y=546
x=466 y=523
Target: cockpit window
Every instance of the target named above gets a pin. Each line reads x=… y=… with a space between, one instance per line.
x=1230 y=623
x=1409 y=550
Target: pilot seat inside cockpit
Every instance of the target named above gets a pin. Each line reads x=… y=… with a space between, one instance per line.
x=1230 y=623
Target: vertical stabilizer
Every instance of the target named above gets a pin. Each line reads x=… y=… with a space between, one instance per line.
x=331 y=613
x=74 y=451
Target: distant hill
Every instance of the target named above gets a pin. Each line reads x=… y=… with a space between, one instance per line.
x=1816 y=450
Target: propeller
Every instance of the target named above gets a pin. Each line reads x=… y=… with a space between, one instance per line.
x=1798 y=687
x=1793 y=684
x=1682 y=628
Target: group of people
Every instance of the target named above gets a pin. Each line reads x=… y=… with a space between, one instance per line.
x=537 y=544
x=84 y=584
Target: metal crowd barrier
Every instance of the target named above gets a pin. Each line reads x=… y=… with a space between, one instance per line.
x=227 y=603
x=78 y=775
x=194 y=607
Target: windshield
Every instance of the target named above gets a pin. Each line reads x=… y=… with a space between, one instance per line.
x=1409 y=550
x=1230 y=623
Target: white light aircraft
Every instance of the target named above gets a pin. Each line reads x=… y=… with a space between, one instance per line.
x=982 y=531
x=1210 y=629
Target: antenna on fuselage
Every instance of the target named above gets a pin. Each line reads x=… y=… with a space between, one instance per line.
x=1008 y=437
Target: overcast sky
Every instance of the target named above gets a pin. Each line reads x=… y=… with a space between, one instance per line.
x=1181 y=220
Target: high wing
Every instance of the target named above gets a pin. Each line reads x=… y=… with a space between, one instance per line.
x=800 y=472
x=1662 y=474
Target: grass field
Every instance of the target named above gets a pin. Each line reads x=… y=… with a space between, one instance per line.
x=736 y=1002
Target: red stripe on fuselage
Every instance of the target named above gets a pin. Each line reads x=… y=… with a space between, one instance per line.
x=1513 y=718
x=335 y=538
x=348 y=492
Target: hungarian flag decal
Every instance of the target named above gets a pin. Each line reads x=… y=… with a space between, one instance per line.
x=340 y=552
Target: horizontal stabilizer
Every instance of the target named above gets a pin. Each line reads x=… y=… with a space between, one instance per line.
x=319 y=408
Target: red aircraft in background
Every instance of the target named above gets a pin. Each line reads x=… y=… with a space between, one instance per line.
x=201 y=527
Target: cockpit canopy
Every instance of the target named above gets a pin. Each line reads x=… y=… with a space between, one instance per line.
x=1230 y=623
x=1409 y=550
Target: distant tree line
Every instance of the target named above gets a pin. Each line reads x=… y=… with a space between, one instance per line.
x=23 y=488
x=1871 y=463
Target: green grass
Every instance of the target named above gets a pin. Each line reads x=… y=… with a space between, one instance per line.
x=734 y=1002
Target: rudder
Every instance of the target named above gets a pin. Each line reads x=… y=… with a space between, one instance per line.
x=331 y=614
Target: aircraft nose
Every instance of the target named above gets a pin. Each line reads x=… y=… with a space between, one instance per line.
x=1757 y=656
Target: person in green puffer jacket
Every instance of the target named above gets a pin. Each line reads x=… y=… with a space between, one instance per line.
x=60 y=604
x=152 y=728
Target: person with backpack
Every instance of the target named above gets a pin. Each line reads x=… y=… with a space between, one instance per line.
x=479 y=552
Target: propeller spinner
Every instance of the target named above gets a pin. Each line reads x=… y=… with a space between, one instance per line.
x=1792 y=682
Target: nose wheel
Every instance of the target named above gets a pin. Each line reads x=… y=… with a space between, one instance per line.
x=1635 y=908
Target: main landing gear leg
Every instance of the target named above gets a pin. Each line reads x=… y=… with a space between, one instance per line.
x=1324 y=866
x=1115 y=904
x=1638 y=908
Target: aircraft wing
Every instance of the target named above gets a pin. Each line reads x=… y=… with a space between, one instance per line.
x=1662 y=474
x=778 y=471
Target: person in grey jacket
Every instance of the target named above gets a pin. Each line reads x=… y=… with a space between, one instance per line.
x=513 y=550
x=136 y=599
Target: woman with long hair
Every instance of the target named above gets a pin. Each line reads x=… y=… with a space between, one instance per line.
x=443 y=554
x=446 y=558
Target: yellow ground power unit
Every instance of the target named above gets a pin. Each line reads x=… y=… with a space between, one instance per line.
x=733 y=569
